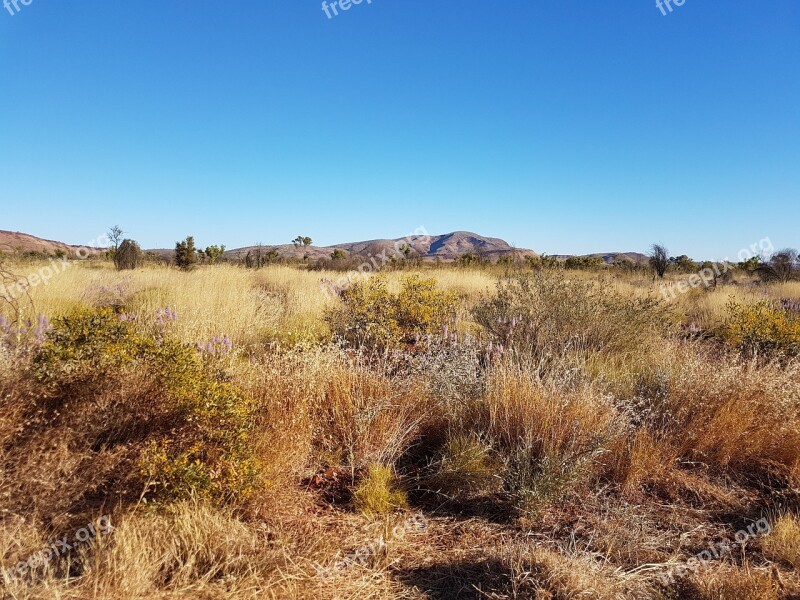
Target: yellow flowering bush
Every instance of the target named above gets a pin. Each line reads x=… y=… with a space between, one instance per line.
x=762 y=328
x=208 y=422
x=372 y=317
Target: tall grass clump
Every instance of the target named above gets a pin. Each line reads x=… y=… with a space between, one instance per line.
x=783 y=543
x=734 y=414
x=367 y=418
x=549 y=434
x=546 y=314
x=379 y=492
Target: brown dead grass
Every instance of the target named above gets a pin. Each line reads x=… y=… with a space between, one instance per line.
x=676 y=445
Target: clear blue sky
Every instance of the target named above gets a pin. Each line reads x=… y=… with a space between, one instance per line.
x=566 y=126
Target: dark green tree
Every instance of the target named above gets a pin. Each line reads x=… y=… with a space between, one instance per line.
x=185 y=254
x=684 y=264
x=214 y=252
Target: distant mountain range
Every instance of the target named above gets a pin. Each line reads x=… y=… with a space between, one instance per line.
x=447 y=247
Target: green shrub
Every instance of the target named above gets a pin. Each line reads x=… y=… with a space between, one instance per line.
x=86 y=345
x=421 y=308
x=373 y=318
x=204 y=448
x=185 y=254
x=581 y=263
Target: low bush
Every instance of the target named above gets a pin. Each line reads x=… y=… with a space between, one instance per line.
x=534 y=481
x=373 y=318
x=546 y=314
x=128 y=256
x=762 y=329
x=549 y=436
x=195 y=429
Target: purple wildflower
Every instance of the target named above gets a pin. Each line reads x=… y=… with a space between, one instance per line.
x=790 y=305
x=218 y=345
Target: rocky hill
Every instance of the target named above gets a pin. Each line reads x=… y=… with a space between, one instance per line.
x=445 y=247
x=14 y=242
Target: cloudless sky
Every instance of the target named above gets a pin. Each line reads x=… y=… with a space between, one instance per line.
x=565 y=126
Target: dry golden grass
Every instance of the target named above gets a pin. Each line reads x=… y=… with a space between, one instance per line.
x=640 y=460
x=576 y=476
x=735 y=414
x=783 y=543
x=524 y=410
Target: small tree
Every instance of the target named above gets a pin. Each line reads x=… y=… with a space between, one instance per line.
x=300 y=240
x=128 y=255
x=214 y=252
x=750 y=265
x=115 y=238
x=338 y=254
x=782 y=266
x=506 y=260
x=258 y=257
x=684 y=264
x=659 y=259
x=185 y=254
